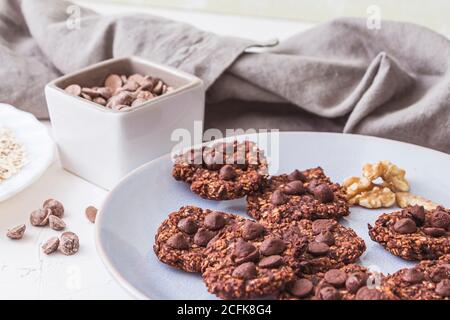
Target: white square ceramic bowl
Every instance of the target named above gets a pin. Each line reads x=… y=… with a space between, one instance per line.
x=102 y=145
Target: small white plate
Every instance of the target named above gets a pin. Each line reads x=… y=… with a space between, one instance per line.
x=131 y=214
x=38 y=145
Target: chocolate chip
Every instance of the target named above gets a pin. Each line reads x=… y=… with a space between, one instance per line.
x=55 y=206
x=39 y=217
x=100 y=101
x=272 y=246
x=17 y=232
x=365 y=293
x=323 y=193
x=294 y=187
x=91 y=213
x=122 y=98
x=418 y=214
x=440 y=219
x=178 y=241
x=434 y=232
x=278 y=198
x=51 y=245
x=73 y=89
x=227 y=172
x=300 y=288
x=325 y=237
x=187 y=225
x=93 y=93
x=252 y=230
x=69 y=243
x=297 y=175
x=443 y=288
x=215 y=220
x=440 y=273
x=329 y=293
x=405 y=226
x=271 y=262
x=56 y=223
x=203 y=236
x=318 y=248
x=312 y=185
x=322 y=225
x=243 y=249
x=355 y=281
x=335 y=277
x=113 y=82
x=245 y=271
x=412 y=276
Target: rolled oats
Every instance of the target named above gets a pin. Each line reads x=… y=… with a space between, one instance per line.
x=12 y=154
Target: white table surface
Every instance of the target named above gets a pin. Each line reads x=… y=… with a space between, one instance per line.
x=27 y=273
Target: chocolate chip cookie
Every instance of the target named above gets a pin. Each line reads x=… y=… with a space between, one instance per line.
x=224 y=171
x=319 y=245
x=351 y=282
x=429 y=280
x=308 y=194
x=414 y=233
x=181 y=240
x=246 y=261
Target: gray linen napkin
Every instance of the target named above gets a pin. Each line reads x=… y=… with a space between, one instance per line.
x=340 y=76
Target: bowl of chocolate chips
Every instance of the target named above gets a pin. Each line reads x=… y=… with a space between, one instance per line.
x=116 y=115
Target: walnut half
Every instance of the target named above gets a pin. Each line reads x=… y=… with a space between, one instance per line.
x=378 y=197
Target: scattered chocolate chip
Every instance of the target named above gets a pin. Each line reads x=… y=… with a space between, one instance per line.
x=187 y=225
x=271 y=262
x=434 y=232
x=227 y=172
x=443 y=288
x=252 y=230
x=51 y=245
x=73 y=89
x=297 y=175
x=278 y=198
x=300 y=288
x=272 y=246
x=355 y=281
x=294 y=188
x=322 y=225
x=365 y=293
x=203 y=236
x=440 y=219
x=412 y=276
x=418 y=214
x=329 y=293
x=405 y=226
x=215 y=220
x=178 y=241
x=335 y=277
x=245 y=271
x=323 y=193
x=55 y=206
x=69 y=243
x=56 y=223
x=17 y=232
x=91 y=213
x=318 y=248
x=325 y=237
x=39 y=217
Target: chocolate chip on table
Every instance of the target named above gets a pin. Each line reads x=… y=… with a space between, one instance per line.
x=91 y=213
x=69 y=243
x=412 y=276
x=271 y=262
x=73 y=89
x=203 y=236
x=323 y=193
x=55 y=206
x=56 y=223
x=329 y=293
x=187 y=225
x=322 y=225
x=227 y=172
x=443 y=288
x=178 y=241
x=440 y=219
x=215 y=220
x=405 y=226
x=278 y=198
x=51 y=245
x=418 y=214
x=252 y=230
x=297 y=175
x=17 y=232
x=335 y=277
x=318 y=248
x=366 y=293
x=272 y=246
x=355 y=281
x=40 y=217
x=294 y=187
x=325 y=237
x=245 y=271
x=434 y=232
x=300 y=288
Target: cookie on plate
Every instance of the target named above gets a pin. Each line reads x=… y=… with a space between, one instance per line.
x=182 y=238
x=319 y=245
x=225 y=171
x=429 y=280
x=351 y=282
x=414 y=233
x=308 y=194
x=246 y=261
